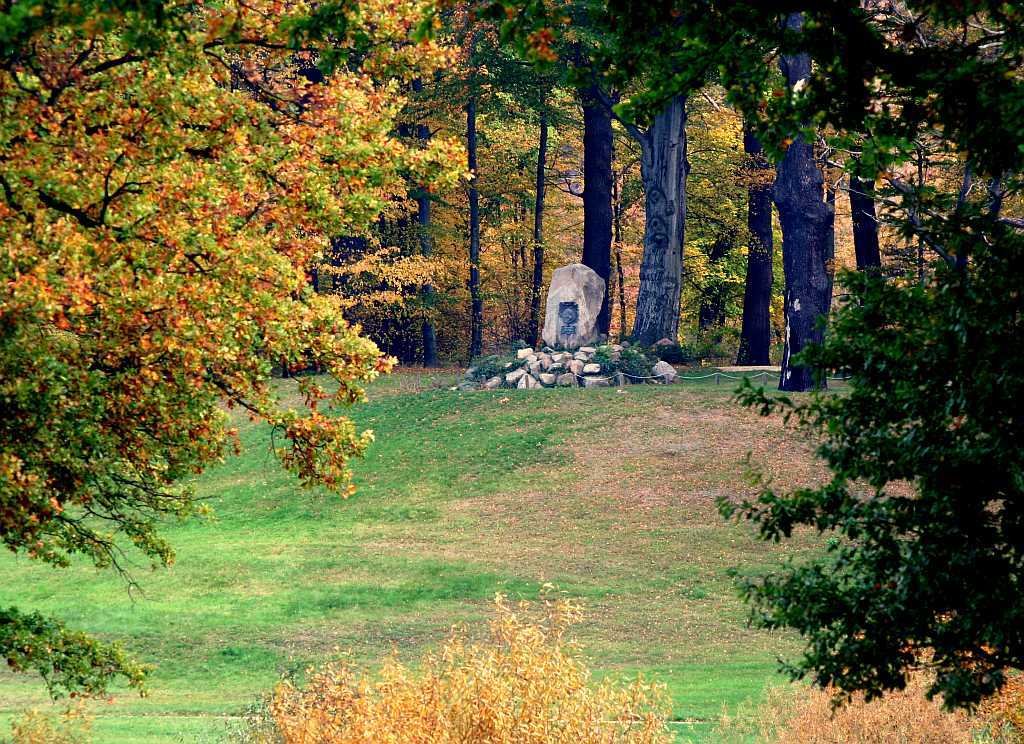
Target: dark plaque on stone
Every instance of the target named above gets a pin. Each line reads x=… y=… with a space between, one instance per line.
x=568 y=314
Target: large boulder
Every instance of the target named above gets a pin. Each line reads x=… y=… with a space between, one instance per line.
x=664 y=371
x=528 y=382
x=574 y=302
x=515 y=376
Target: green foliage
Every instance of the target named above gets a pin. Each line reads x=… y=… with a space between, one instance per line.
x=675 y=353
x=140 y=24
x=703 y=347
x=630 y=361
x=926 y=498
x=606 y=358
x=487 y=367
x=635 y=362
x=962 y=84
x=68 y=661
x=714 y=346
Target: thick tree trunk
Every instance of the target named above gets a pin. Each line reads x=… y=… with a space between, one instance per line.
x=865 y=224
x=756 y=333
x=597 y=193
x=476 y=321
x=426 y=250
x=807 y=240
x=663 y=170
x=538 y=233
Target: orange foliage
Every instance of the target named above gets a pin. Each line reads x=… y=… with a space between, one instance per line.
x=72 y=726
x=804 y=715
x=525 y=684
x=1004 y=712
x=159 y=212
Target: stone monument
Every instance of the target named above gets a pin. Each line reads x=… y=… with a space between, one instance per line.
x=574 y=302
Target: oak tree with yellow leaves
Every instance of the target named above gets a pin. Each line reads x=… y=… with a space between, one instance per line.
x=169 y=172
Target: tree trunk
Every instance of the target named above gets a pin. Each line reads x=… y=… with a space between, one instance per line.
x=865 y=224
x=807 y=240
x=476 y=321
x=538 y=232
x=597 y=193
x=514 y=301
x=663 y=170
x=756 y=333
x=426 y=250
x=617 y=239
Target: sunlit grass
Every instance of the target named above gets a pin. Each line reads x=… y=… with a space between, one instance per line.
x=609 y=495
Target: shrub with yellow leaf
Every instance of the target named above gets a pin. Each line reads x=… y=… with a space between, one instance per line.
x=1004 y=712
x=805 y=715
x=525 y=683
x=72 y=726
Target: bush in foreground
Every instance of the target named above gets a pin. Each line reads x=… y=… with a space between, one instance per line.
x=523 y=684
x=72 y=726
x=806 y=715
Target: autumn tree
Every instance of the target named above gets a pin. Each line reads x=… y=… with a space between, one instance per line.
x=714 y=272
x=426 y=245
x=476 y=320
x=526 y=184
x=755 y=335
x=168 y=178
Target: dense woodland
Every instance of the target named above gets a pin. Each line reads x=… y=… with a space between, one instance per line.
x=557 y=178
x=554 y=175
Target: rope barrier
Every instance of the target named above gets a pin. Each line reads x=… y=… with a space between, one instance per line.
x=763 y=374
x=687 y=378
x=655 y=377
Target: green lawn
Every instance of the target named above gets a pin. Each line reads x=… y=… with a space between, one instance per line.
x=609 y=495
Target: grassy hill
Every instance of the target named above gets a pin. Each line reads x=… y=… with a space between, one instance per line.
x=608 y=494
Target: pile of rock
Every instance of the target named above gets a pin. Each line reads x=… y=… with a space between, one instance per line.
x=546 y=367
